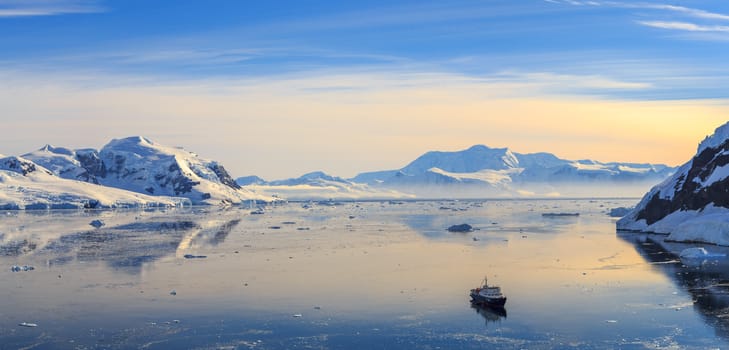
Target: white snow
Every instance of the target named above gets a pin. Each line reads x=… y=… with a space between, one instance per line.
x=497 y=178
x=60 y=161
x=500 y=169
x=721 y=134
x=42 y=190
x=318 y=185
x=594 y=167
x=709 y=228
x=140 y=165
x=699 y=253
x=718 y=174
x=337 y=191
x=619 y=212
x=709 y=224
x=633 y=169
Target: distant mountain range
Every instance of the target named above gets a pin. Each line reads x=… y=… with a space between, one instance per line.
x=136 y=171
x=482 y=171
x=318 y=186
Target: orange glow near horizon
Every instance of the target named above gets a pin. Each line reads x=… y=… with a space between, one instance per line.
x=286 y=127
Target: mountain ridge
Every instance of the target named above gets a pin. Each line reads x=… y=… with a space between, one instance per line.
x=693 y=204
x=501 y=171
x=138 y=164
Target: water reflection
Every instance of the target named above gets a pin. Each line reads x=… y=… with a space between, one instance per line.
x=492 y=218
x=490 y=314
x=124 y=246
x=408 y=286
x=706 y=280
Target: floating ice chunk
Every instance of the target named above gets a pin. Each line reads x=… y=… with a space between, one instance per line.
x=298 y=315
x=97 y=223
x=27 y=324
x=190 y=256
x=559 y=214
x=460 y=228
x=619 y=212
x=16 y=268
x=699 y=252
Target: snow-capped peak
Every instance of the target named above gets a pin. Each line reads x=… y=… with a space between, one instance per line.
x=57 y=150
x=473 y=159
x=721 y=135
x=312 y=178
x=131 y=141
x=140 y=165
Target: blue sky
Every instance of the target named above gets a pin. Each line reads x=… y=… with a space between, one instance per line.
x=216 y=76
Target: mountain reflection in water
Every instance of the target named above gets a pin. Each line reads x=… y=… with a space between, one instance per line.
x=351 y=276
x=706 y=280
x=126 y=246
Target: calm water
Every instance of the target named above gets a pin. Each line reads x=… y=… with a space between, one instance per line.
x=354 y=275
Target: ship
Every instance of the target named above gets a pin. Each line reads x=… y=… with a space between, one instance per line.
x=488 y=295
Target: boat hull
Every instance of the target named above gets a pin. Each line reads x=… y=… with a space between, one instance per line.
x=479 y=299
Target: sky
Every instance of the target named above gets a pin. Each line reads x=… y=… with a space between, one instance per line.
x=281 y=88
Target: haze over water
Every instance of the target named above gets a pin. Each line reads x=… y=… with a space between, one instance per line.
x=353 y=275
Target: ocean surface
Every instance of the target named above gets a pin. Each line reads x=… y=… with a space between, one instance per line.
x=354 y=275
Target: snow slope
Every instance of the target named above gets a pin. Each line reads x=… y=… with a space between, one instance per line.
x=25 y=185
x=140 y=165
x=320 y=186
x=693 y=204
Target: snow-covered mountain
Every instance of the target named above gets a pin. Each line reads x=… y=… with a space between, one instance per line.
x=499 y=171
x=250 y=180
x=139 y=165
x=26 y=185
x=316 y=178
x=316 y=186
x=693 y=204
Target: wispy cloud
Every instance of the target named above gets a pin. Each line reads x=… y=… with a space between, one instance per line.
x=672 y=17
x=555 y=83
x=29 y=8
x=688 y=11
x=691 y=27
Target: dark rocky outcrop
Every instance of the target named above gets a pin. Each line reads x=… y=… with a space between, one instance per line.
x=690 y=194
x=223 y=176
x=19 y=165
